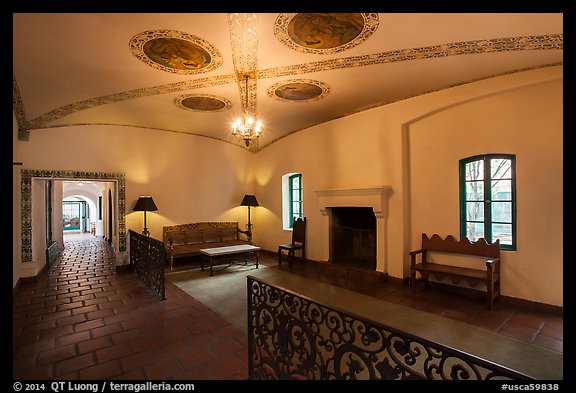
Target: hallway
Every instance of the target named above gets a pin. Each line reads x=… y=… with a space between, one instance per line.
x=83 y=320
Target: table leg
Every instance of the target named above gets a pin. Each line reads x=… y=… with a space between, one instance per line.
x=257 y=254
x=211 y=264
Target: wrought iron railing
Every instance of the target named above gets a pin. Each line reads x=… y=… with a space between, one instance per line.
x=291 y=336
x=147 y=260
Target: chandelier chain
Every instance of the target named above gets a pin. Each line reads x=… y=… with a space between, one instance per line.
x=248 y=128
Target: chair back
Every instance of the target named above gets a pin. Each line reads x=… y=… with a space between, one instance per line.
x=299 y=231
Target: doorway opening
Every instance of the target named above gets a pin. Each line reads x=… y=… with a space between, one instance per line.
x=33 y=196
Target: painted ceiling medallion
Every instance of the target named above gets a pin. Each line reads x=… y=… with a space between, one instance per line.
x=203 y=103
x=298 y=90
x=326 y=33
x=175 y=51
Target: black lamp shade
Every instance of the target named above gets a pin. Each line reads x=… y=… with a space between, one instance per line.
x=249 y=200
x=145 y=204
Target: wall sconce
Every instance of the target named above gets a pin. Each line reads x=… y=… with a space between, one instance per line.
x=250 y=201
x=145 y=204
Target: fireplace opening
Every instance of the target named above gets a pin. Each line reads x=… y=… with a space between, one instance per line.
x=353 y=237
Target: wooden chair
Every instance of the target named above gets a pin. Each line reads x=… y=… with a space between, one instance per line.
x=298 y=242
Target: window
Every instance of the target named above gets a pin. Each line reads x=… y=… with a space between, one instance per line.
x=291 y=199
x=295 y=184
x=71 y=215
x=488 y=199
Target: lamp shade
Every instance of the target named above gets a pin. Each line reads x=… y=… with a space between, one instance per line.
x=249 y=200
x=145 y=204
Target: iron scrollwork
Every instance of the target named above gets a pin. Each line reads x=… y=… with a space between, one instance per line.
x=147 y=259
x=291 y=336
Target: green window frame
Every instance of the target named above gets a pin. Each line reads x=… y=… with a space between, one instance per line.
x=488 y=199
x=295 y=197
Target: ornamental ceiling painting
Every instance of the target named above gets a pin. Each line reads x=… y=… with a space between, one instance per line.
x=194 y=73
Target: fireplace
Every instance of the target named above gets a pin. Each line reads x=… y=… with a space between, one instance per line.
x=353 y=237
x=372 y=198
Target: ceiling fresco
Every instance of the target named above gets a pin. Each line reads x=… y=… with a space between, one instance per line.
x=299 y=90
x=203 y=103
x=191 y=69
x=175 y=51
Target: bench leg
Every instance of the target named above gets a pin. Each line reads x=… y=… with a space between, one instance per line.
x=413 y=280
x=171 y=262
x=490 y=295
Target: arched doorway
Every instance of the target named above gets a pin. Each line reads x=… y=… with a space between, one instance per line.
x=119 y=195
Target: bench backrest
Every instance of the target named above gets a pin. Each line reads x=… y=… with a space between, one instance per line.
x=463 y=246
x=201 y=232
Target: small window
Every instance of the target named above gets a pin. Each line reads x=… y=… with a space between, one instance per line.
x=488 y=199
x=295 y=182
x=292 y=206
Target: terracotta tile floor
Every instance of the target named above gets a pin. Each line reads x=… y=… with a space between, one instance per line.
x=83 y=320
x=524 y=323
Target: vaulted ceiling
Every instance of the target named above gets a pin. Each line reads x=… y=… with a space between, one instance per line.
x=195 y=73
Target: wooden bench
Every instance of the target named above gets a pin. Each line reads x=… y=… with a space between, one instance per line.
x=490 y=276
x=186 y=240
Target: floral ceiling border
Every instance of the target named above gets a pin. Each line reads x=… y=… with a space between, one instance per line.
x=244 y=44
x=419 y=94
x=540 y=42
x=26 y=201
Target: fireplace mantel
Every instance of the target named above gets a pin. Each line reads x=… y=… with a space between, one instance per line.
x=374 y=197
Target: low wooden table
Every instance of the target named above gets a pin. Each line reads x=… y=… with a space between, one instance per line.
x=229 y=254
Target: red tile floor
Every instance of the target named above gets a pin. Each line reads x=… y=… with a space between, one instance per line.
x=82 y=320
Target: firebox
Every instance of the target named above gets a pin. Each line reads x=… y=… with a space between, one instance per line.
x=353 y=237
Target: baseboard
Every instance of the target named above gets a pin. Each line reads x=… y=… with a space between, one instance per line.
x=27 y=280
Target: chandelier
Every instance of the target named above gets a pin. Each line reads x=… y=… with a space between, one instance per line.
x=249 y=127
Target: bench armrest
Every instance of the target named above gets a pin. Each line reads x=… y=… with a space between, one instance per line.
x=413 y=256
x=493 y=266
x=247 y=233
x=415 y=252
x=169 y=244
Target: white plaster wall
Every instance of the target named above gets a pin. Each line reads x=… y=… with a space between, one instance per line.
x=372 y=148
x=16 y=210
x=57 y=225
x=190 y=178
x=196 y=179
x=526 y=122
x=32 y=268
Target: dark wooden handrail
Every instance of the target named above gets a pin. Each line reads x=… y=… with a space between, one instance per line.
x=147 y=261
x=291 y=336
